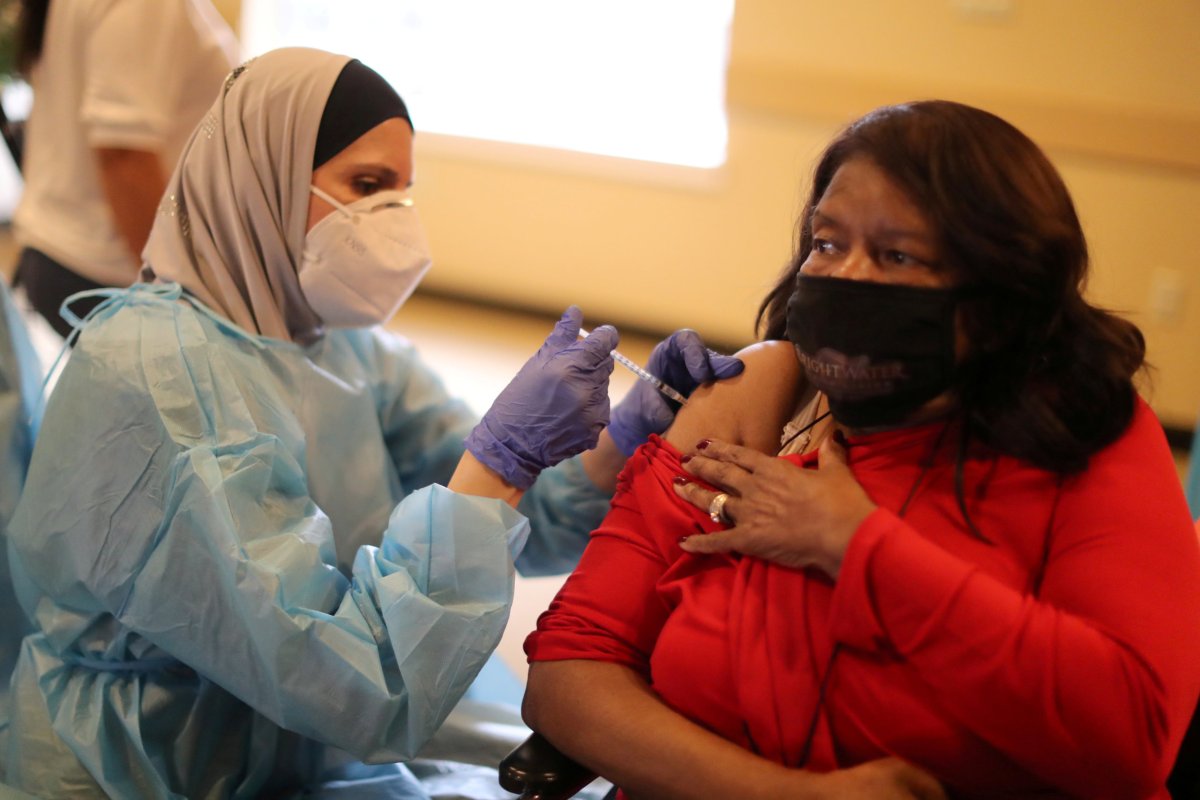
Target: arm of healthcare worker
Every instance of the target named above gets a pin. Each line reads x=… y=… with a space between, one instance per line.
x=564 y=498
x=681 y=359
x=424 y=428
x=200 y=536
x=567 y=502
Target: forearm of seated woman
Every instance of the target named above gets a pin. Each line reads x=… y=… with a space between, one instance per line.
x=608 y=718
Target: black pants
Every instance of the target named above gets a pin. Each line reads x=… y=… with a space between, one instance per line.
x=48 y=283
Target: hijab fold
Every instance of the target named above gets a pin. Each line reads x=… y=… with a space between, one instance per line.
x=231 y=226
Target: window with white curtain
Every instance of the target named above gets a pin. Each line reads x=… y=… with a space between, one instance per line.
x=637 y=79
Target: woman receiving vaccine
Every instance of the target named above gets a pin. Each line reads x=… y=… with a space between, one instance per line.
x=973 y=555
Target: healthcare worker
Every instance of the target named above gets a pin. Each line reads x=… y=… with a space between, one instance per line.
x=223 y=540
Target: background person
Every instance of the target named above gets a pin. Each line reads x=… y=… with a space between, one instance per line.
x=229 y=542
x=988 y=571
x=118 y=88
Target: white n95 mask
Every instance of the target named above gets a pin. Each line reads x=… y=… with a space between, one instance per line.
x=363 y=260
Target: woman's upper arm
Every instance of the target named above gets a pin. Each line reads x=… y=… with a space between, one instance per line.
x=609 y=609
x=749 y=409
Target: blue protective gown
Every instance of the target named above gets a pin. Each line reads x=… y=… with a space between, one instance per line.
x=20 y=408
x=195 y=503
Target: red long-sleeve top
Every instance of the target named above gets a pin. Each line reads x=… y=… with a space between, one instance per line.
x=1059 y=657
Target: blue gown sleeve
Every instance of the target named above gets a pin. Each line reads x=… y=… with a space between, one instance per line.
x=20 y=403
x=155 y=498
x=563 y=507
x=425 y=427
x=20 y=411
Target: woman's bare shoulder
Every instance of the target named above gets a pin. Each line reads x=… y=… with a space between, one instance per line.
x=750 y=409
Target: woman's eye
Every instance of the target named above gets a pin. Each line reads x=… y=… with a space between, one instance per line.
x=823 y=246
x=365 y=187
x=901 y=258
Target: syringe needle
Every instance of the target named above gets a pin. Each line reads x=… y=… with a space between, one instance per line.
x=650 y=378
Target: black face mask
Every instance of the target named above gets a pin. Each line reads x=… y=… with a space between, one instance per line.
x=878 y=351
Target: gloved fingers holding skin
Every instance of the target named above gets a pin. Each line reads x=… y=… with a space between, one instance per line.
x=683 y=362
x=554 y=408
x=779 y=512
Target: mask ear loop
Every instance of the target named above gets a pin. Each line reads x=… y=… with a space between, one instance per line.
x=328 y=198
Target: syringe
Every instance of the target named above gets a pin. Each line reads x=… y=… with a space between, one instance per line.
x=632 y=366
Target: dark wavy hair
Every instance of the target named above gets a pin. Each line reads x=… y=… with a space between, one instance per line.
x=31 y=31
x=1048 y=378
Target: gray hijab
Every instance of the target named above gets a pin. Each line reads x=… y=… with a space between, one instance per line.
x=231 y=226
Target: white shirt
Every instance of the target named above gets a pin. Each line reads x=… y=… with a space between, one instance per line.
x=131 y=74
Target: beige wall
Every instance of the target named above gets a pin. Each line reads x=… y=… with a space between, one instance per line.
x=230 y=9
x=1111 y=89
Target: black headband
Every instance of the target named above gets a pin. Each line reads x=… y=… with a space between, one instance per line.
x=360 y=100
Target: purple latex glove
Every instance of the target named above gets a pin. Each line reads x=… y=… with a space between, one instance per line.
x=683 y=363
x=553 y=409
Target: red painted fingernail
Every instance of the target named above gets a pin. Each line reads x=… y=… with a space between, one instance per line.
x=703 y=443
x=685 y=459
x=679 y=480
